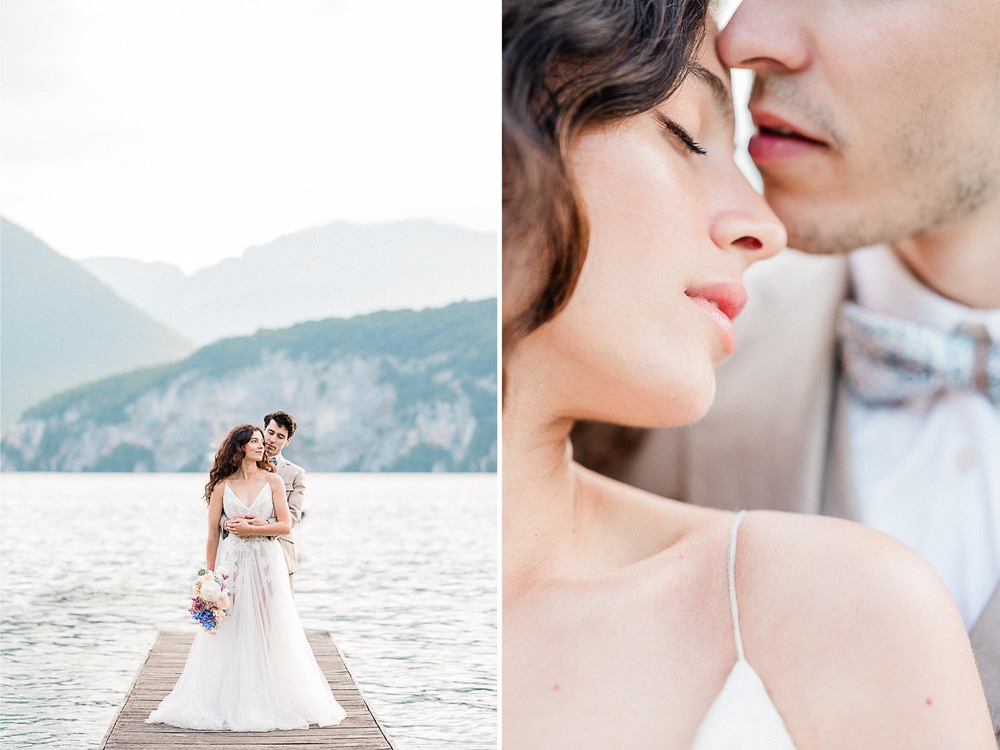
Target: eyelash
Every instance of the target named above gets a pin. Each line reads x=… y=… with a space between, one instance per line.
x=683 y=135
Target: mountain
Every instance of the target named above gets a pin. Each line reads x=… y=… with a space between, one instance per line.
x=389 y=391
x=336 y=270
x=60 y=326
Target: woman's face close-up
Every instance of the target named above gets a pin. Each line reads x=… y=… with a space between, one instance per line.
x=673 y=226
x=255 y=447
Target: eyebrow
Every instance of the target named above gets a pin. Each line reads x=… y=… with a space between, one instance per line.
x=719 y=90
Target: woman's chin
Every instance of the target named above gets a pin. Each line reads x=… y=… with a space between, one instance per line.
x=678 y=415
x=666 y=406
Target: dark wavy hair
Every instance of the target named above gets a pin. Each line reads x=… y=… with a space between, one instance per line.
x=568 y=64
x=230 y=455
x=282 y=419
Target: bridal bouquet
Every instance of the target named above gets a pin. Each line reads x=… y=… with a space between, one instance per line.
x=211 y=601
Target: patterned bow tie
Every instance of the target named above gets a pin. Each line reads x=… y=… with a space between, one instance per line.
x=889 y=361
x=274 y=460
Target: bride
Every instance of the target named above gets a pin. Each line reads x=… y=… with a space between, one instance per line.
x=257 y=672
x=631 y=621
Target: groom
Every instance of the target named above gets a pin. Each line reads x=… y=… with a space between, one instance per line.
x=279 y=427
x=878 y=128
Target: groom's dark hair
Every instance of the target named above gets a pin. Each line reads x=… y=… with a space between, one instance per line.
x=283 y=419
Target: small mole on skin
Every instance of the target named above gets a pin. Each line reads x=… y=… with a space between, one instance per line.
x=556 y=686
x=929 y=701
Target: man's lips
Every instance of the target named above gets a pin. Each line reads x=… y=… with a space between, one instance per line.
x=776 y=126
x=777 y=140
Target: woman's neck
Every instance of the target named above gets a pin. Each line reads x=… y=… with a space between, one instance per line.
x=247 y=470
x=541 y=493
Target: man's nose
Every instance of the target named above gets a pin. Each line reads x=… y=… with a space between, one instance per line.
x=764 y=36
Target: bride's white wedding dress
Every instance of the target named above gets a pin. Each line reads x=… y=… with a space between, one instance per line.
x=257 y=673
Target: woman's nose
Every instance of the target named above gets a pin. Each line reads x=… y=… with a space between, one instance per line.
x=746 y=223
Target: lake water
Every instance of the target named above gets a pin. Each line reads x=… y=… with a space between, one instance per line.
x=401 y=569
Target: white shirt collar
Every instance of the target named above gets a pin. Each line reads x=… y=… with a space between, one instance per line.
x=884 y=285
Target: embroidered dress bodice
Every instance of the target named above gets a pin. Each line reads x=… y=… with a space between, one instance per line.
x=262 y=507
x=742 y=716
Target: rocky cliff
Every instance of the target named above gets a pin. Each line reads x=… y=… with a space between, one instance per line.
x=391 y=391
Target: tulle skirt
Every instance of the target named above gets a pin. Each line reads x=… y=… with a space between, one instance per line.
x=257 y=673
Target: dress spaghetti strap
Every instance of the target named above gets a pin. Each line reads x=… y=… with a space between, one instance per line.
x=742 y=716
x=733 y=606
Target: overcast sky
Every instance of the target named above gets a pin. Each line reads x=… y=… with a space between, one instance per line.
x=186 y=130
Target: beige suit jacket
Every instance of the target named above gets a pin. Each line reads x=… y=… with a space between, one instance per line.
x=294 y=477
x=776 y=435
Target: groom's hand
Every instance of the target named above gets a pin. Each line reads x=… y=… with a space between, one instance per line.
x=240 y=525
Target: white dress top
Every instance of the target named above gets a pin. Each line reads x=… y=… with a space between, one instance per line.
x=742 y=716
x=928 y=472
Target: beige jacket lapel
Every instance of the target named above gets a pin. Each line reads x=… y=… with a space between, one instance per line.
x=287 y=470
x=840 y=496
x=985 y=638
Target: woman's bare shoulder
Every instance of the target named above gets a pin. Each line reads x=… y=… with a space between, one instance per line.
x=833 y=575
x=831 y=552
x=855 y=636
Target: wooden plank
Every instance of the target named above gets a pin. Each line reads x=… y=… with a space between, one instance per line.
x=360 y=730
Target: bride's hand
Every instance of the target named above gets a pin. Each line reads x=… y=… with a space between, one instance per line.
x=240 y=525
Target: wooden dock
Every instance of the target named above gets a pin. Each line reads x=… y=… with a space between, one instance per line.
x=360 y=730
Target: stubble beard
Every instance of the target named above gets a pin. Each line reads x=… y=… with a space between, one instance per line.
x=922 y=176
x=921 y=189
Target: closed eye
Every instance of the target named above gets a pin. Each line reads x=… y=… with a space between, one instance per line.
x=681 y=134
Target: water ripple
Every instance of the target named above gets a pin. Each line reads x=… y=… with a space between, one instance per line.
x=401 y=569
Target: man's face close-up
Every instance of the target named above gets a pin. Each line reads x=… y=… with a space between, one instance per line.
x=877 y=121
x=275 y=438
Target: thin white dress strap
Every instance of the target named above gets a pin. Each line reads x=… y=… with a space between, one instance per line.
x=732 y=584
x=742 y=716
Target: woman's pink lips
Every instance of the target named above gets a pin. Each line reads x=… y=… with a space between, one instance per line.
x=722 y=303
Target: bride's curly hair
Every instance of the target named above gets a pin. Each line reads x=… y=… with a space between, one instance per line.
x=568 y=65
x=230 y=455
